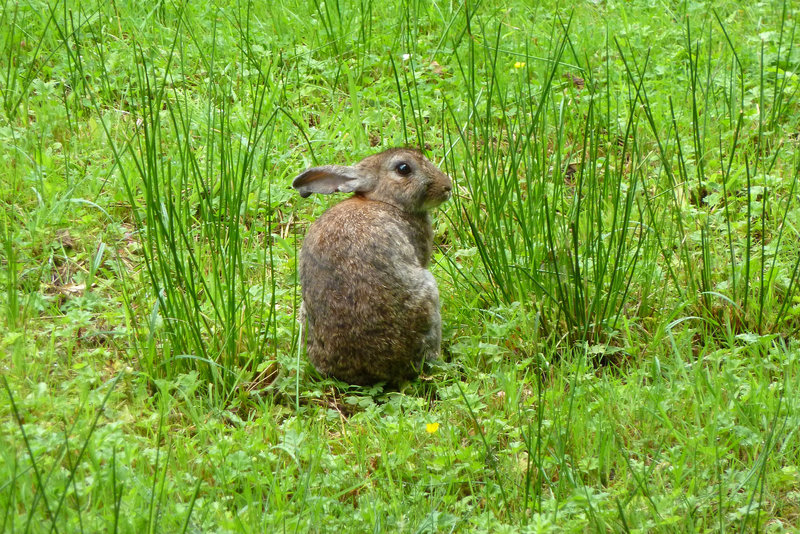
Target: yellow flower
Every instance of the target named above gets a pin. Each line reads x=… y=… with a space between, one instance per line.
x=431 y=428
x=519 y=64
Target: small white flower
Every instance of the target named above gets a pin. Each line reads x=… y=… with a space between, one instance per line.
x=406 y=57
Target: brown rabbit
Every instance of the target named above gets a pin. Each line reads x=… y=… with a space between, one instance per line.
x=370 y=304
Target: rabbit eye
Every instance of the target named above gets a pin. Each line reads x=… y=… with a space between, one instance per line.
x=403 y=168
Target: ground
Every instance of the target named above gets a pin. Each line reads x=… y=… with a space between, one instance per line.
x=618 y=266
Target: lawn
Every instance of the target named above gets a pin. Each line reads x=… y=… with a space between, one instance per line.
x=619 y=266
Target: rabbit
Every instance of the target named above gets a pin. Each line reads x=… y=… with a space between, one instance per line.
x=370 y=305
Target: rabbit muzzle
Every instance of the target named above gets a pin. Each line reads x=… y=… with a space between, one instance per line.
x=441 y=191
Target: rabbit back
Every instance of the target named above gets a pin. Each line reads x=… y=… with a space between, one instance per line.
x=370 y=305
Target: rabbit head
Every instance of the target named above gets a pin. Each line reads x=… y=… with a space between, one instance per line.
x=401 y=177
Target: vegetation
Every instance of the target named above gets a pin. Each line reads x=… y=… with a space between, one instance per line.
x=619 y=266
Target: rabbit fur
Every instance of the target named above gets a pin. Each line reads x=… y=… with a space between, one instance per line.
x=370 y=304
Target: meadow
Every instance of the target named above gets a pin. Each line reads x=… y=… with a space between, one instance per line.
x=618 y=266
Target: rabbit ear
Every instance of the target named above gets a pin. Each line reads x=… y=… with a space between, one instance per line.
x=333 y=179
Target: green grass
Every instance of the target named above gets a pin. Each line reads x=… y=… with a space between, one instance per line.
x=619 y=266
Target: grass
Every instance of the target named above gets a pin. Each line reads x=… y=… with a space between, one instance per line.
x=619 y=266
